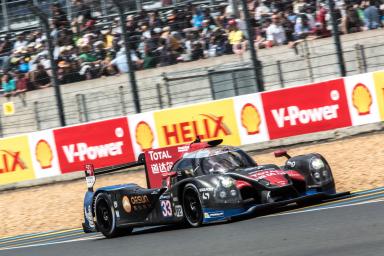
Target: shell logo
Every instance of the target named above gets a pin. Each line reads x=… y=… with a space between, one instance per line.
x=250 y=119
x=126 y=204
x=361 y=99
x=44 y=154
x=144 y=135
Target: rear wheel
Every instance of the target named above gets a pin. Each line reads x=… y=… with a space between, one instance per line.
x=192 y=207
x=106 y=219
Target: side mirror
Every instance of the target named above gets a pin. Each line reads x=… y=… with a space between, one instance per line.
x=169 y=174
x=281 y=153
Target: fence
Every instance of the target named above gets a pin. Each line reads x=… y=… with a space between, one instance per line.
x=106 y=98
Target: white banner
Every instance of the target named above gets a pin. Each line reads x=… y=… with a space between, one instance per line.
x=362 y=100
x=143 y=132
x=250 y=119
x=43 y=153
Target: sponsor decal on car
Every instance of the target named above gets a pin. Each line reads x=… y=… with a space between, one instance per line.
x=89 y=217
x=178 y=211
x=215 y=214
x=126 y=204
x=160 y=161
x=166 y=208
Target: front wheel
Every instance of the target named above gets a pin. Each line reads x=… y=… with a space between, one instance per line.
x=106 y=219
x=192 y=207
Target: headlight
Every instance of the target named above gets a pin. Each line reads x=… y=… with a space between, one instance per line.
x=233 y=192
x=226 y=182
x=316 y=175
x=223 y=194
x=317 y=164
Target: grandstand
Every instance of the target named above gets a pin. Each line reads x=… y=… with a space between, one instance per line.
x=195 y=35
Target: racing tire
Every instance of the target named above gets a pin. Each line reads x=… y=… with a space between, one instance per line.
x=192 y=207
x=106 y=218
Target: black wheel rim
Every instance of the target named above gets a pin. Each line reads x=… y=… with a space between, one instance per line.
x=104 y=215
x=192 y=207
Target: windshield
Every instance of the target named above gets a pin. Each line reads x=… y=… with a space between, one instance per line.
x=226 y=161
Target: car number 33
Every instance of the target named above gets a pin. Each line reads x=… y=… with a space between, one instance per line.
x=166 y=208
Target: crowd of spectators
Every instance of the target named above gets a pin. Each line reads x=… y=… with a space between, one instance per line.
x=87 y=47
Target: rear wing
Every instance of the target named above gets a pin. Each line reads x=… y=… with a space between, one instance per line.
x=156 y=162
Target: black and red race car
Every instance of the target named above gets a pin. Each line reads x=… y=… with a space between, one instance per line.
x=203 y=183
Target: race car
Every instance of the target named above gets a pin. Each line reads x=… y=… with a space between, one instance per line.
x=202 y=183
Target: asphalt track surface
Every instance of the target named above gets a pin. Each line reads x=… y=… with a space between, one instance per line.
x=351 y=226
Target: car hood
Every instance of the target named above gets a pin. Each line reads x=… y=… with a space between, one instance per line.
x=265 y=175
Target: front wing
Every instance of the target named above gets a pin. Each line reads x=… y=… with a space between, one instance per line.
x=214 y=215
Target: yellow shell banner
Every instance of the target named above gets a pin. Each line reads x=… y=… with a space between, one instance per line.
x=15 y=160
x=208 y=121
x=379 y=86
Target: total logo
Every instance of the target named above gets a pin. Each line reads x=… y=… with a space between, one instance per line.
x=82 y=151
x=293 y=115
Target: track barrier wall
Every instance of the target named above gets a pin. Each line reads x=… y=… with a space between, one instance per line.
x=241 y=120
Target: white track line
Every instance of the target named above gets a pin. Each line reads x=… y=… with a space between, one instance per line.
x=98 y=236
x=323 y=208
x=51 y=243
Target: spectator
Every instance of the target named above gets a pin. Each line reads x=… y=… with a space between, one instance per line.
x=371 y=14
x=351 y=22
x=22 y=83
x=40 y=77
x=120 y=62
x=236 y=38
x=8 y=85
x=5 y=52
x=197 y=18
x=275 y=32
x=20 y=42
x=302 y=27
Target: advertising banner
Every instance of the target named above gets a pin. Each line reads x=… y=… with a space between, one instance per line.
x=143 y=132
x=250 y=119
x=306 y=109
x=104 y=143
x=362 y=100
x=15 y=160
x=43 y=153
x=379 y=87
x=160 y=161
x=212 y=120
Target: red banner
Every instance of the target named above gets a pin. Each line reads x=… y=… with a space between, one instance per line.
x=104 y=143
x=160 y=161
x=306 y=109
